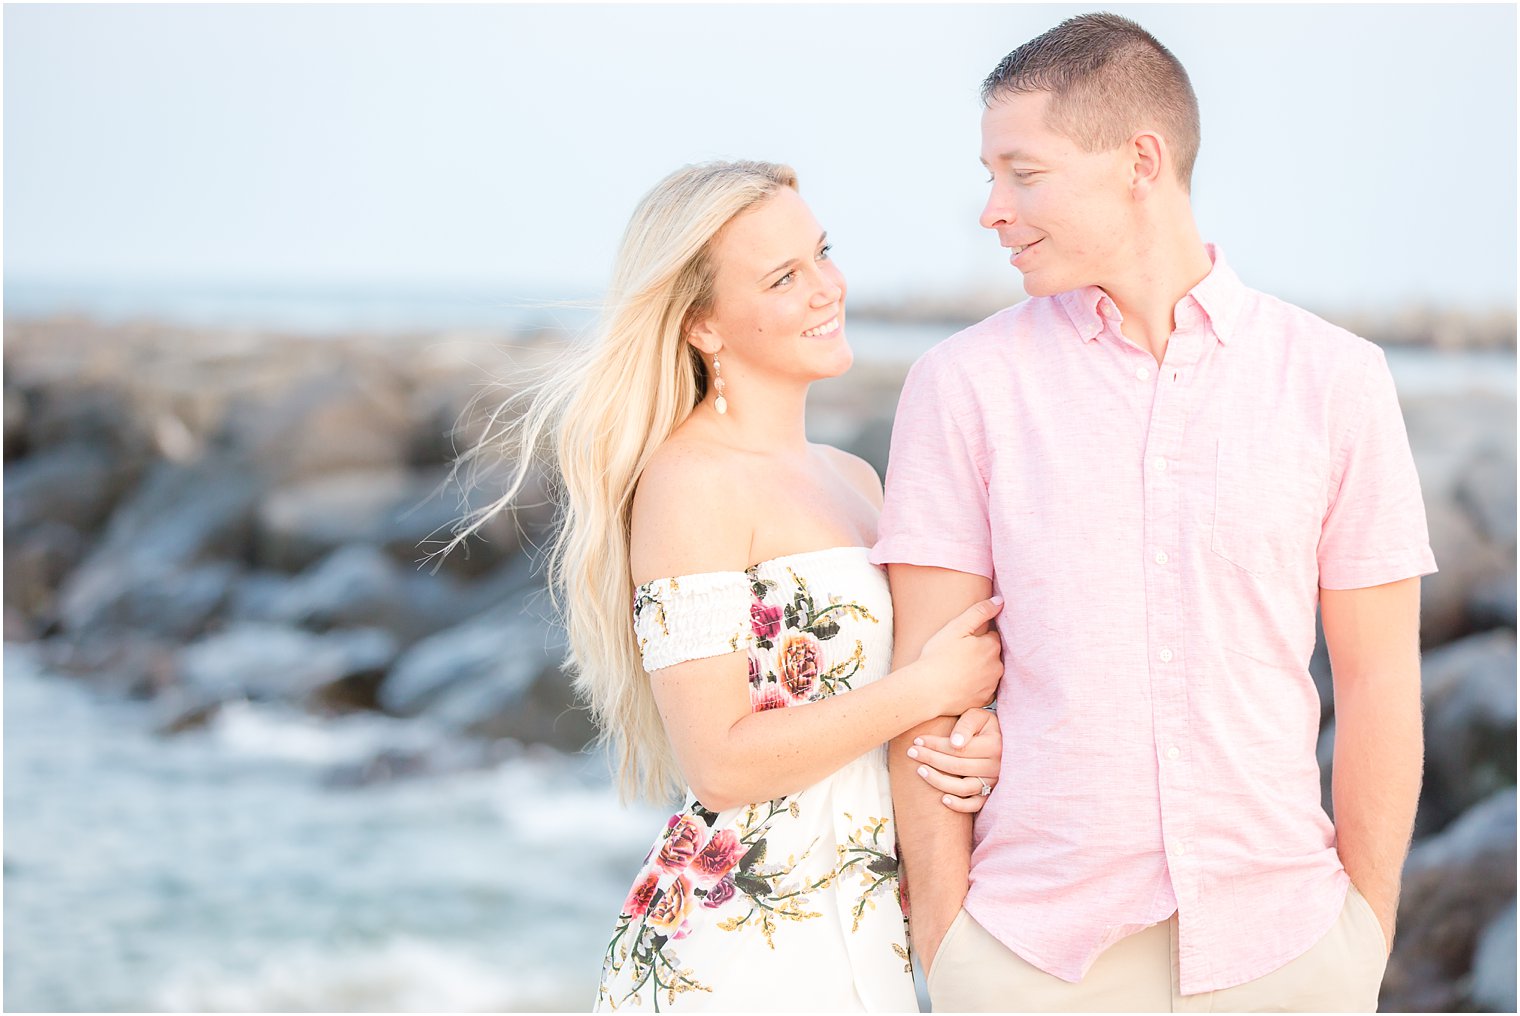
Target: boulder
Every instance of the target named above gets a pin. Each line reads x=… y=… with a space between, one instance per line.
x=181 y=515
x=406 y=513
x=1468 y=690
x=75 y=484
x=1455 y=885
x=496 y=675
x=1491 y=985
x=15 y=422
x=36 y=563
x=1491 y=604
x=270 y=661
x=336 y=416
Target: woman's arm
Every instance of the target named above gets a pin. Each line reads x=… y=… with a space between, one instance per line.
x=689 y=517
x=732 y=755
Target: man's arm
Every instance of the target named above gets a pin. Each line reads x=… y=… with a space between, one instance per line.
x=1373 y=635
x=935 y=842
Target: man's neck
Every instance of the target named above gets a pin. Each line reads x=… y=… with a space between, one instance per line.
x=1164 y=269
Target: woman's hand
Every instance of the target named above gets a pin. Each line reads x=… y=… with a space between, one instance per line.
x=966 y=773
x=961 y=664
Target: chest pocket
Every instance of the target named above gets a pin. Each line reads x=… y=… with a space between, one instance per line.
x=1269 y=502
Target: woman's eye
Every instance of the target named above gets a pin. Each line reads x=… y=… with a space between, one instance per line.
x=784 y=280
x=823 y=252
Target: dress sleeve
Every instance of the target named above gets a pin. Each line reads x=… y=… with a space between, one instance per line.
x=692 y=617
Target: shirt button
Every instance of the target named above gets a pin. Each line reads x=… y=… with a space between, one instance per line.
x=1161 y=557
x=1158 y=464
x=1182 y=849
x=1143 y=373
x=1174 y=752
x=1166 y=656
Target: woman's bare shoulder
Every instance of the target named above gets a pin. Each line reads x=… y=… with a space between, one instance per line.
x=860 y=473
x=690 y=512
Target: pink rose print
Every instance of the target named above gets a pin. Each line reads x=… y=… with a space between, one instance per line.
x=719 y=894
x=669 y=913
x=717 y=858
x=764 y=621
x=643 y=892
x=799 y=664
x=767 y=697
x=681 y=844
x=755 y=673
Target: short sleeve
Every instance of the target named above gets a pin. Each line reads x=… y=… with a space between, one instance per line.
x=935 y=513
x=1375 y=529
x=692 y=617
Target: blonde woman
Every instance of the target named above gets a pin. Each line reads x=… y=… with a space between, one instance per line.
x=755 y=674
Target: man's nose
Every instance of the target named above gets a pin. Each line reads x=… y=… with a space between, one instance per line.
x=998 y=210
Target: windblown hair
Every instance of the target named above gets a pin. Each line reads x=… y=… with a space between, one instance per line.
x=1108 y=78
x=605 y=409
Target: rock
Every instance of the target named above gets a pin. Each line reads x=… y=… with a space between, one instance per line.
x=357 y=584
x=1468 y=690
x=74 y=484
x=1492 y=982
x=179 y=516
x=17 y=627
x=15 y=422
x=342 y=416
x=1487 y=492
x=1492 y=603
x=268 y=661
x=394 y=509
x=1455 y=884
x=121 y=661
x=36 y=563
x=1465 y=561
x=497 y=675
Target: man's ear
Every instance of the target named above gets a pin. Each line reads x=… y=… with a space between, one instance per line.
x=1149 y=153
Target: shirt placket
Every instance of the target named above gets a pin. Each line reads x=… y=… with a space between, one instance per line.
x=1166 y=643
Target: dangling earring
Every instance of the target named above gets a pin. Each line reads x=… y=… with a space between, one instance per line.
x=721 y=405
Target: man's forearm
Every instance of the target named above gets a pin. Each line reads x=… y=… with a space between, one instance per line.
x=1373 y=637
x=934 y=845
x=1379 y=750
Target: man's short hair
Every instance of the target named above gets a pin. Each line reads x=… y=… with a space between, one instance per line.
x=1107 y=78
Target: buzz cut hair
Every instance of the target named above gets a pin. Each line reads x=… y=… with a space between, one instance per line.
x=1108 y=78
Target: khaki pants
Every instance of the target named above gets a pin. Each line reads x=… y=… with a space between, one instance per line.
x=1342 y=972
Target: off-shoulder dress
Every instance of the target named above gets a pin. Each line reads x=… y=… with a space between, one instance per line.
x=790 y=904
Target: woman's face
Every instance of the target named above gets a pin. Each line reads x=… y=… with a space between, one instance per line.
x=778 y=300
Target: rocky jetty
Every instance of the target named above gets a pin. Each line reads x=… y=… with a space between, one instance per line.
x=199 y=517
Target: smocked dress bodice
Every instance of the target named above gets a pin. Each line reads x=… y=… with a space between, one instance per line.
x=788 y=904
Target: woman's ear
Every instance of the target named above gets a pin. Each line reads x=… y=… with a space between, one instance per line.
x=699 y=332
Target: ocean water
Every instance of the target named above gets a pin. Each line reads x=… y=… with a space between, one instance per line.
x=224 y=870
x=326 y=311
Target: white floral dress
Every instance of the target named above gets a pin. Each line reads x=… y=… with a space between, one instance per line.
x=789 y=904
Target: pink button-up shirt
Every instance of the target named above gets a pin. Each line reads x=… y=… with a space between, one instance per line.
x=1160 y=534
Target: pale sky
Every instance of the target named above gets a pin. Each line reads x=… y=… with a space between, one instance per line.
x=1353 y=158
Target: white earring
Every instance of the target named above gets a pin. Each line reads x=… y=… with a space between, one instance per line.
x=721 y=405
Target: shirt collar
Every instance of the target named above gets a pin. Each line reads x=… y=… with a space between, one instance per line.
x=1219 y=295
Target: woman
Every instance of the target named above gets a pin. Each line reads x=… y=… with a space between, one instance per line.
x=693 y=494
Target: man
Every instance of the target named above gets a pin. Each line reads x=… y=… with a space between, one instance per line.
x=1163 y=472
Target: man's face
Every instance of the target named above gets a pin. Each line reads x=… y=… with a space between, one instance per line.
x=1066 y=214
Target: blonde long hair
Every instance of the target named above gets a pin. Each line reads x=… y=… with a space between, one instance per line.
x=606 y=407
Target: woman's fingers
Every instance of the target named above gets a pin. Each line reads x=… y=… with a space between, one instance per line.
x=954 y=765
x=964 y=805
x=954 y=786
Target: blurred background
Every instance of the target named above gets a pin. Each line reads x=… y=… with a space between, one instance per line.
x=267 y=266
